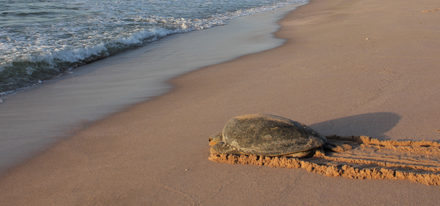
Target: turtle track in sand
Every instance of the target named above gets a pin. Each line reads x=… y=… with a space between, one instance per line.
x=359 y=157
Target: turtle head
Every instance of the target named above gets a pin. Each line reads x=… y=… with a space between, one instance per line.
x=220 y=147
x=213 y=140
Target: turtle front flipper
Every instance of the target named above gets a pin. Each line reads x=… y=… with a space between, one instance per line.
x=301 y=154
x=223 y=148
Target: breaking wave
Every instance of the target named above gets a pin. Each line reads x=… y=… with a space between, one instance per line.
x=34 y=51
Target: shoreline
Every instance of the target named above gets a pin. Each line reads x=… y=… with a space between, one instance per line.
x=343 y=70
x=34 y=119
x=59 y=63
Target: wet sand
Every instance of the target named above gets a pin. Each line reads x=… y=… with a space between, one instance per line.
x=33 y=119
x=349 y=67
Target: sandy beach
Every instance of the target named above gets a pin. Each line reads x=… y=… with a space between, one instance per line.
x=348 y=67
x=33 y=119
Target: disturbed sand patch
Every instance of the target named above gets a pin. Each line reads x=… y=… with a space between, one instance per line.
x=359 y=157
x=430 y=10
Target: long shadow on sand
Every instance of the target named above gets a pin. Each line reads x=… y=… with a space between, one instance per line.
x=371 y=124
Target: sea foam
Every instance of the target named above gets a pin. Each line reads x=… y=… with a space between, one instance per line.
x=52 y=38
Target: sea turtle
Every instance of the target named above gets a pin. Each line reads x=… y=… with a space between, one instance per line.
x=266 y=135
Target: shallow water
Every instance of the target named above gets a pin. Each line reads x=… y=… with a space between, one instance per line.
x=33 y=119
x=41 y=39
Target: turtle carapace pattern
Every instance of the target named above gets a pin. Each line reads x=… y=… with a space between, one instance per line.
x=267 y=135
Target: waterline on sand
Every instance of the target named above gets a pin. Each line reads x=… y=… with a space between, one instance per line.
x=34 y=119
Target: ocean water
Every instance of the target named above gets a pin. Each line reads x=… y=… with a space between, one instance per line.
x=41 y=39
x=34 y=119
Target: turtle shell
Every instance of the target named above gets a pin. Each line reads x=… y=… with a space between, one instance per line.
x=270 y=135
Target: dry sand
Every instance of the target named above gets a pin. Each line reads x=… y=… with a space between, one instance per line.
x=349 y=67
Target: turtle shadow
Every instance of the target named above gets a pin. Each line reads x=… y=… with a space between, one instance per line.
x=374 y=125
